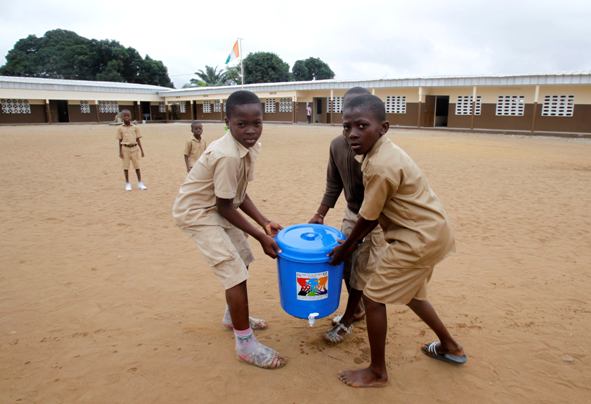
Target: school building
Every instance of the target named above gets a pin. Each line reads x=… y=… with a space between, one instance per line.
x=550 y=103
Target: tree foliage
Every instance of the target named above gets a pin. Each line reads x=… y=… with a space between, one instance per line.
x=66 y=55
x=265 y=67
x=311 y=69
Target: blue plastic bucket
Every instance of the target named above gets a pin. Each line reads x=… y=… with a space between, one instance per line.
x=307 y=283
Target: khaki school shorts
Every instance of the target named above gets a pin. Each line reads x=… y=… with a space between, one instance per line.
x=131 y=154
x=226 y=250
x=364 y=259
x=390 y=284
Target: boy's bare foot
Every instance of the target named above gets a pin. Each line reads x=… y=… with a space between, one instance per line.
x=363 y=378
x=263 y=357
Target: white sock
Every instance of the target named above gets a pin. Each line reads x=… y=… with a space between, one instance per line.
x=246 y=342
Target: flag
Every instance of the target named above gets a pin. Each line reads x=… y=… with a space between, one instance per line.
x=234 y=53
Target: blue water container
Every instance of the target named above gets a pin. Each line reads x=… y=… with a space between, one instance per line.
x=307 y=283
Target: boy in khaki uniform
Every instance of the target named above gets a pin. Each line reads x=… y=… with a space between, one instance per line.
x=130 y=146
x=397 y=197
x=195 y=146
x=344 y=174
x=207 y=209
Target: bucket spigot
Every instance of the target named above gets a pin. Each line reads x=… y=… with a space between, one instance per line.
x=312 y=318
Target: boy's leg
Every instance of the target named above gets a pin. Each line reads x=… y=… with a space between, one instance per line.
x=139 y=175
x=427 y=313
x=126 y=174
x=376 y=374
x=220 y=250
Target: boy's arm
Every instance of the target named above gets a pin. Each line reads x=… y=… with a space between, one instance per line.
x=378 y=189
x=225 y=207
x=334 y=187
x=119 y=140
x=187 y=154
x=270 y=227
x=187 y=162
x=139 y=143
x=362 y=228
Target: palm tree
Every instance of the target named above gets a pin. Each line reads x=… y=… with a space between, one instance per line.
x=210 y=77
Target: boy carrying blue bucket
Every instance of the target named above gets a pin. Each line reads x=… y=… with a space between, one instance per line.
x=398 y=197
x=207 y=208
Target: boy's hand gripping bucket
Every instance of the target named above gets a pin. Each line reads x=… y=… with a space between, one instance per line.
x=309 y=287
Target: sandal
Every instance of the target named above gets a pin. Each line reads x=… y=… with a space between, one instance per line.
x=337 y=334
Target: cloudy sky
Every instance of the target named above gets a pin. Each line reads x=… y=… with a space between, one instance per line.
x=365 y=39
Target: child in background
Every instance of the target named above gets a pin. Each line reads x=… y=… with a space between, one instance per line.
x=130 y=147
x=207 y=208
x=194 y=146
x=398 y=197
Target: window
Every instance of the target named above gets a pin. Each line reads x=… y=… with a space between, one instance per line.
x=84 y=107
x=108 y=107
x=217 y=106
x=285 y=105
x=11 y=106
x=334 y=105
x=182 y=107
x=162 y=108
x=270 y=106
x=207 y=107
x=396 y=104
x=510 y=105
x=464 y=105
x=558 y=105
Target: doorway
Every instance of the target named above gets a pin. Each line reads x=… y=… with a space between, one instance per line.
x=441 y=110
x=145 y=108
x=62 y=111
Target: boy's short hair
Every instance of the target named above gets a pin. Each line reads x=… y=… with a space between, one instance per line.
x=123 y=111
x=195 y=122
x=369 y=102
x=240 y=97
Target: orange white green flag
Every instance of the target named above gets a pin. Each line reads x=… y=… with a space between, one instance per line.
x=235 y=53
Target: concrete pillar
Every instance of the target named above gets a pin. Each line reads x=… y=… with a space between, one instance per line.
x=473 y=108
x=420 y=90
x=535 y=111
x=191 y=105
x=47 y=112
x=96 y=110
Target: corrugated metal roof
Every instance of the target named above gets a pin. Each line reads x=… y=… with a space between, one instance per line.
x=36 y=83
x=444 y=81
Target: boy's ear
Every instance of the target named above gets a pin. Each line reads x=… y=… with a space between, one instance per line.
x=226 y=120
x=385 y=127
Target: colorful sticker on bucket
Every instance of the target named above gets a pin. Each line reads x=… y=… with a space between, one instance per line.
x=312 y=286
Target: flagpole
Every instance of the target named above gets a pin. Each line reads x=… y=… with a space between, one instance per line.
x=241 y=65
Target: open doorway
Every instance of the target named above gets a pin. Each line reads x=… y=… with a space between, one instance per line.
x=145 y=107
x=62 y=111
x=441 y=110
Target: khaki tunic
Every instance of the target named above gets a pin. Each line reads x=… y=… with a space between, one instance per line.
x=194 y=149
x=222 y=171
x=414 y=222
x=128 y=135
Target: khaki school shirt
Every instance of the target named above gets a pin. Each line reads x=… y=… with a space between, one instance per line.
x=397 y=194
x=193 y=149
x=222 y=171
x=128 y=134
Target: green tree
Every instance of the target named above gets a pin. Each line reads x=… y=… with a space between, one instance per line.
x=211 y=76
x=232 y=76
x=66 y=55
x=311 y=69
x=265 y=67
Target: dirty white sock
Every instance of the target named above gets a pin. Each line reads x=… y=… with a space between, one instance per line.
x=250 y=350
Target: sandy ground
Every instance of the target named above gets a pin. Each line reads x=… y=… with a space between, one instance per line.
x=103 y=299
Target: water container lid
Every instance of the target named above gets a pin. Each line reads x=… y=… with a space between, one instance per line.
x=308 y=242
